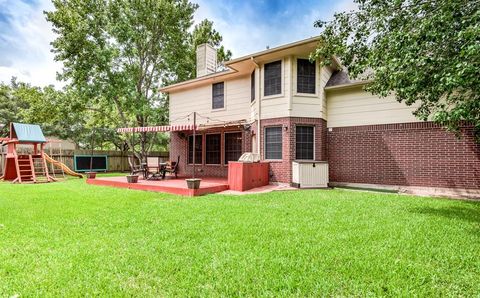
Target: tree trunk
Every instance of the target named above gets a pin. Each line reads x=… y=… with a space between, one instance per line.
x=125 y=123
x=143 y=144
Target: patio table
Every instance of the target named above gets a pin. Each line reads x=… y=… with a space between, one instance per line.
x=158 y=171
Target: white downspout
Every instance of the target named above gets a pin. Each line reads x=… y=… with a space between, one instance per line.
x=259 y=110
x=290 y=75
x=259 y=105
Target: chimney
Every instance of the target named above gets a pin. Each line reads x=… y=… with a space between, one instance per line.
x=206 y=60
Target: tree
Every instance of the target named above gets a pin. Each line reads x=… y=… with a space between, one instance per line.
x=11 y=107
x=60 y=112
x=117 y=54
x=422 y=51
x=205 y=33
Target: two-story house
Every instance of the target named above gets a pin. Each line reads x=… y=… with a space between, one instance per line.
x=279 y=104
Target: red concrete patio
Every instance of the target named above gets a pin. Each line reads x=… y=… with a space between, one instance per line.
x=173 y=186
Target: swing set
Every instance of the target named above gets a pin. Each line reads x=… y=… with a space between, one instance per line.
x=35 y=166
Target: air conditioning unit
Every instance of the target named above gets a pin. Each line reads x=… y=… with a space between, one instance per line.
x=310 y=174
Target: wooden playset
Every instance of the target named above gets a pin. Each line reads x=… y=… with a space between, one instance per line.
x=29 y=167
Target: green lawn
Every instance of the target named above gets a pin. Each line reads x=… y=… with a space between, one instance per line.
x=73 y=239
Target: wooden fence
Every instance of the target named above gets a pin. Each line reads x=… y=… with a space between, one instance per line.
x=117 y=160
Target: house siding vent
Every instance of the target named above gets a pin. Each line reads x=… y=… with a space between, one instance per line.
x=206 y=60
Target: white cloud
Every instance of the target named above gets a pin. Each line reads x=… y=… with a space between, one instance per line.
x=245 y=31
x=25 y=48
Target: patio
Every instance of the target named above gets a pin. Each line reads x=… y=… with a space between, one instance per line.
x=173 y=186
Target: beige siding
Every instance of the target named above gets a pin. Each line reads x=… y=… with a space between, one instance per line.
x=237 y=103
x=310 y=105
x=325 y=74
x=353 y=106
x=254 y=104
x=277 y=105
x=305 y=105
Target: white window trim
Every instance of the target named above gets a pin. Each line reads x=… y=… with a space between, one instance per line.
x=213 y=164
x=224 y=143
x=188 y=148
x=224 y=97
x=295 y=79
x=314 y=132
x=265 y=143
x=255 y=87
x=282 y=83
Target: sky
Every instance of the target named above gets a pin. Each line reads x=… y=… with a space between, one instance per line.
x=247 y=26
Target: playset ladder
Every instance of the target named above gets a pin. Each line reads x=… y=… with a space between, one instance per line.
x=25 y=169
x=32 y=168
x=40 y=169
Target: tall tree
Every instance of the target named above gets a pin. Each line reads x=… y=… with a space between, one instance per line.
x=204 y=32
x=116 y=53
x=12 y=107
x=424 y=51
x=61 y=113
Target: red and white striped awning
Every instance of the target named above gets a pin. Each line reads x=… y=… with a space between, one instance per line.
x=163 y=128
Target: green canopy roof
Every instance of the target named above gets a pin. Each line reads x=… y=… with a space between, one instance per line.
x=28 y=133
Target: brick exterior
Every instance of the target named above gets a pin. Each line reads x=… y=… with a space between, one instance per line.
x=179 y=146
x=281 y=171
x=408 y=154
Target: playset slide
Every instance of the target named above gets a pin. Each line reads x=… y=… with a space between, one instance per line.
x=66 y=169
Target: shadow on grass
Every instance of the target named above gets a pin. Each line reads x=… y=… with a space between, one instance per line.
x=453 y=212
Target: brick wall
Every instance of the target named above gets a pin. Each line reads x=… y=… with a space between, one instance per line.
x=410 y=154
x=281 y=170
x=179 y=146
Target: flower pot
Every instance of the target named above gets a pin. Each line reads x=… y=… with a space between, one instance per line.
x=193 y=183
x=91 y=175
x=132 y=178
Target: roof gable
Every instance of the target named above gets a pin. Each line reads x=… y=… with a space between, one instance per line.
x=246 y=64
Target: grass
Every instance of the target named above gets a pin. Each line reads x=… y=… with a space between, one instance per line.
x=74 y=239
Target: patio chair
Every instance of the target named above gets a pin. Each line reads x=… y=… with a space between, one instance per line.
x=172 y=168
x=134 y=167
x=152 y=168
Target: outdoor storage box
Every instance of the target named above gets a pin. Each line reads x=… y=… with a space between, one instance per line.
x=247 y=175
x=310 y=174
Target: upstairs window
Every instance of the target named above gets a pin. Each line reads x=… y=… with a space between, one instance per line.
x=233 y=146
x=198 y=149
x=304 y=142
x=212 y=150
x=273 y=78
x=273 y=142
x=252 y=87
x=305 y=76
x=218 y=96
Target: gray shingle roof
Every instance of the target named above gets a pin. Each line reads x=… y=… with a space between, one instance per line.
x=339 y=77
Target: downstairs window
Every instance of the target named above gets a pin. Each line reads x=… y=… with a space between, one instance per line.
x=304 y=142
x=198 y=149
x=212 y=149
x=233 y=146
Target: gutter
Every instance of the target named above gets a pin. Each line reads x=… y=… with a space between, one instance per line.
x=279 y=48
x=232 y=69
x=347 y=85
x=210 y=77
